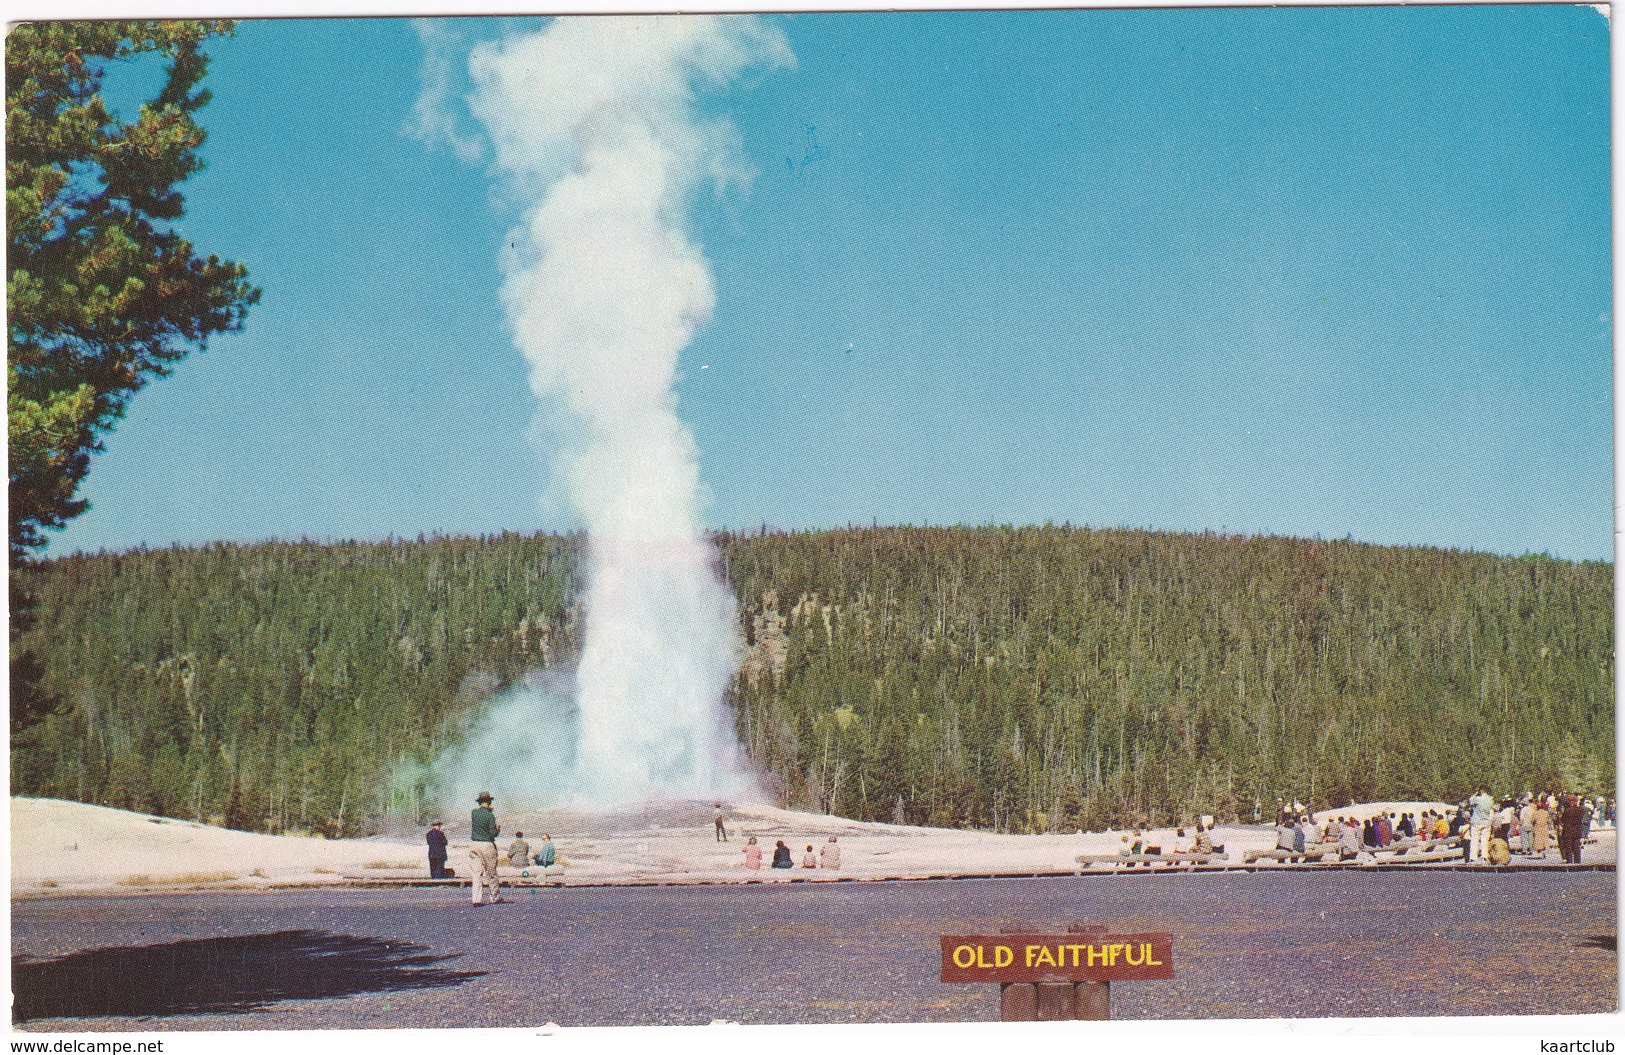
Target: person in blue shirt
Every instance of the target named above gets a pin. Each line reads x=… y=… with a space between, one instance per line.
x=1482 y=811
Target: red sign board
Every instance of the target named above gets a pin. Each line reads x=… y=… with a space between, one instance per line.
x=1056 y=957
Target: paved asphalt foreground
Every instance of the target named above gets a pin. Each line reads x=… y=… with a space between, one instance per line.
x=1245 y=946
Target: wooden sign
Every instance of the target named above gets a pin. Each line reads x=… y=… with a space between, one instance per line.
x=1056 y=957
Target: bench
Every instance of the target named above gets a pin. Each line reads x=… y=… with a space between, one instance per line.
x=1417 y=851
x=1315 y=854
x=1165 y=861
x=1405 y=851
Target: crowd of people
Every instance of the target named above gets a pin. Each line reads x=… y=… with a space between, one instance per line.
x=1200 y=843
x=828 y=855
x=1530 y=825
x=484 y=858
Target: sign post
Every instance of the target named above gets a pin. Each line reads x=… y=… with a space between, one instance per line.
x=1055 y=977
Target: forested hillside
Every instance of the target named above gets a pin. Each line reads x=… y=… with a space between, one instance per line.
x=1018 y=678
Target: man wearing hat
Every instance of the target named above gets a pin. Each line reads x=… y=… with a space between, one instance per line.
x=482 y=851
x=437 y=851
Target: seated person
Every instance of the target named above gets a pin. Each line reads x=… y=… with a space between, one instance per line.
x=545 y=855
x=1348 y=845
x=519 y=851
x=1204 y=841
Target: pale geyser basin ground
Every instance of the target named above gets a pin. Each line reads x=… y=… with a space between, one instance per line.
x=60 y=847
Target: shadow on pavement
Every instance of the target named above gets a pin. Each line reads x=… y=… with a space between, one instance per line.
x=221 y=975
x=1602 y=941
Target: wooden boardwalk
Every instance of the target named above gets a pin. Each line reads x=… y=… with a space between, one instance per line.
x=1431 y=865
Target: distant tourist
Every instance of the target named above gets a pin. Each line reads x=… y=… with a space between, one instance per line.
x=1569 y=825
x=546 y=855
x=437 y=851
x=721 y=824
x=1505 y=818
x=753 y=854
x=781 y=856
x=1526 y=826
x=1286 y=835
x=1349 y=844
x=1541 y=822
x=1204 y=841
x=829 y=855
x=809 y=859
x=519 y=851
x=482 y=849
x=1478 y=825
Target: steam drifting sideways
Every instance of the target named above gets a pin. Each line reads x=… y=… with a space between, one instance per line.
x=595 y=121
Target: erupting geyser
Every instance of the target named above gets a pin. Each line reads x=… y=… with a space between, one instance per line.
x=594 y=119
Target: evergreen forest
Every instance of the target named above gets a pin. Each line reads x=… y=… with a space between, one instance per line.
x=1017 y=679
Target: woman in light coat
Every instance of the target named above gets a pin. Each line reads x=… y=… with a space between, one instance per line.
x=1542 y=824
x=829 y=855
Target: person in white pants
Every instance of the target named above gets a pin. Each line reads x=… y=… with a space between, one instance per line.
x=482 y=866
x=482 y=850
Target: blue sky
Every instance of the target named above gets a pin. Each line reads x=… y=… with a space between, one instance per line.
x=1335 y=272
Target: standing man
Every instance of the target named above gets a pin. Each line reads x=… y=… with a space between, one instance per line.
x=482 y=852
x=1478 y=825
x=722 y=828
x=1570 y=824
x=437 y=851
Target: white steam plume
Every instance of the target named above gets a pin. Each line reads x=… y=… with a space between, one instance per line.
x=596 y=118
